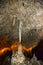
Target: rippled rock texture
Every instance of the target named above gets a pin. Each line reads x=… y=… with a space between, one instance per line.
x=30 y=13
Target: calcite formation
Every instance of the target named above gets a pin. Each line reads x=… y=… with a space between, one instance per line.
x=30 y=13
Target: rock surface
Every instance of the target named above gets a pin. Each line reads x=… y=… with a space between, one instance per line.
x=30 y=12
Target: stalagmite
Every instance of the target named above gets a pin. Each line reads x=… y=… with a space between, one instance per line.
x=18 y=57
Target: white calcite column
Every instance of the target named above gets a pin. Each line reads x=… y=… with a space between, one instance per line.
x=18 y=57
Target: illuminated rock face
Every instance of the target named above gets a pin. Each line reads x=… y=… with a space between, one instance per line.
x=31 y=15
x=30 y=12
